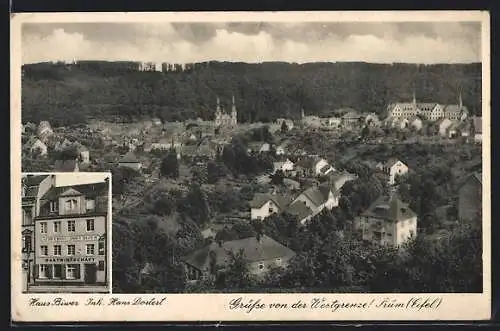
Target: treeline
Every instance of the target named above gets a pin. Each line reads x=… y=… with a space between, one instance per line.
x=70 y=94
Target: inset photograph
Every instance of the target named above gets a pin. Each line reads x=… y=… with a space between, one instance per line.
x=65 y=225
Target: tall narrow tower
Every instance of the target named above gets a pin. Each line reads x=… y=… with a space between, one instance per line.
x=218 y=113
x=460 y=104
x=234 y=113
x=414 y=101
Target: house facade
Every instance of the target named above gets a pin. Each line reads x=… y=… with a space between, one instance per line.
x=264 y=205
x=33 y=188
x=393 y=168
x=470 y=197
x=388 y=221
x=39 y=147
x=70 y=236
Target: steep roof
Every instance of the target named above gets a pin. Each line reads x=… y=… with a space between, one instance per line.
x=91 y=190
x=389 y=208
x=129 y=158
x=254 y=251
x=316 y=195
x=306 y=162
x=454 y=108
x=392 y=161
x=260 y=199
x=32 y=183
x=338 y=179
x=299 y=209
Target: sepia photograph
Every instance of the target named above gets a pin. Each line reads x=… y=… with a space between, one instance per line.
x=65 y=221
x=335 y=155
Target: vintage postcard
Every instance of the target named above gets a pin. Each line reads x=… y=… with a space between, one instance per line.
x=250 y=166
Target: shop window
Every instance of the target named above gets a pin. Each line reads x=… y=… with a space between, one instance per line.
x=43 y=271
x=72 y=271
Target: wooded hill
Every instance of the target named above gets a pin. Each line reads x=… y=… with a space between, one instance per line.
x=68 y=94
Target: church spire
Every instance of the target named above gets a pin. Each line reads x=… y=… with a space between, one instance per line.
x=218 y=105
x=414 y=98
x=460 y=100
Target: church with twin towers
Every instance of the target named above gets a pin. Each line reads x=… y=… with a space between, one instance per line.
x=224 y=119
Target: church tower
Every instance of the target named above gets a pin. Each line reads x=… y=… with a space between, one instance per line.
x=460 y=104
x=218 y=113
x=234 y=113
x=414 y=101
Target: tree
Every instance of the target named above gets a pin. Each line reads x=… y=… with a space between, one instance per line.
x=170 y=165
x=284 y=127
x=278 y=177
x=235 y=275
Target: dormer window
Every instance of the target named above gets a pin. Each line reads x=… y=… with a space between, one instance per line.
x=71 y=204
x=53 y=206
x=89 y=204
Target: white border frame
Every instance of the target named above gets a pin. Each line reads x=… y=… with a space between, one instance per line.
x=215 y=307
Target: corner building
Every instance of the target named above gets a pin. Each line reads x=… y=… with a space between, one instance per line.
x=70 y=236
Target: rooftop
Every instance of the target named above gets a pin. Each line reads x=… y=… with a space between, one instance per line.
x=254 y=250
x=389 y=208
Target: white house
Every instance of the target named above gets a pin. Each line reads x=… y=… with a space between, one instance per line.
x=316 y=199
x=129 y=160
x=280 y=150
x=388 y=221
x=322 y=167
x=263 y=205
x=416 y=123
x=333 y=122
x=285 y=166
x=443 y=125
x=44 y=130
x=393 y=168
x=39 y=147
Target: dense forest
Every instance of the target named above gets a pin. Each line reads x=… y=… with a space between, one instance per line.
x=116 y=91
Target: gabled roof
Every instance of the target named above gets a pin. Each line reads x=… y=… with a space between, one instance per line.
x=32 y=183
x=338 y=179
x=389 y=208
x=91 y=190
x=129 y=158
x=390 y=162
x=316 y=195
x=260 y=199
x=299 y=209
x=253 y=250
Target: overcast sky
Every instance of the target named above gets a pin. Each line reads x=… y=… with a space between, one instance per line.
x=415 y=42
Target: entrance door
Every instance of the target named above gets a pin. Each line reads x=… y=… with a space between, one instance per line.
x=90 y=273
